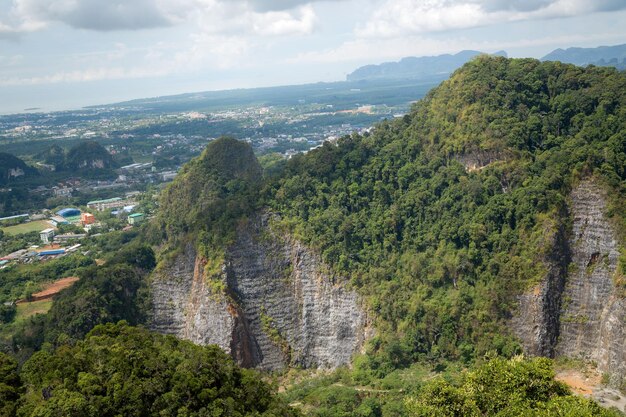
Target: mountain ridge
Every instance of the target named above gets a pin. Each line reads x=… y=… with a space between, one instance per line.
x=423 y=67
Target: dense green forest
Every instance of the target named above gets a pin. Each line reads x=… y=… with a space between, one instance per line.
x=440 y=250
x=119 y=370
x=442 y=217
x=439 y=219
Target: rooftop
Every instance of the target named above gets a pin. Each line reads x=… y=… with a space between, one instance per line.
x=108 y=200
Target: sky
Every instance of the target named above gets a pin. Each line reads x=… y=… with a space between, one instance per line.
x=65 y=54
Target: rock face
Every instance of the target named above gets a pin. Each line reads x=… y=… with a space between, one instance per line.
x=184 y=306
x=537 y=321
x=577 y=311
x=281 y=306
x=475 y=161
x=592 y=317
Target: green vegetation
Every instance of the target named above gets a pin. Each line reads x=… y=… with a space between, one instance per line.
x=88 y=156
x=109 y=293
x=23 y=228
x=440 y=219
x=18 y=282
x=496 y=387
x=28 y=309
x=209 y=195
x=441 y=251
x=121 y=370
x=502 y=388
x=13 y=169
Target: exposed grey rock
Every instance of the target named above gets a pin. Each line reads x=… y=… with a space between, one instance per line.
x=477 y=160
x=537 y=321
x=184 y=306
x=581 y=316
x=282 y=305
x=592 y=320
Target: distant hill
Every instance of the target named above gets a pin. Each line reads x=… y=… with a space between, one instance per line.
x=88 y=156
x=54 y=156
x=212 y=191
x=416 y=67
x=12 y=167
x=602 y=56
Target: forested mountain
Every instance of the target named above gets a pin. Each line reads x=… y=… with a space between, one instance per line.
x=13 y=168
x=424 y=242
x=88 y=155
x=443 y=217
x=416 y=67
x=441 y=220
x=603 y=56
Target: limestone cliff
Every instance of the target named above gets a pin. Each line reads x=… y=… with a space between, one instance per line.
x=577 y=311
x=282 y=307
x=593 y=314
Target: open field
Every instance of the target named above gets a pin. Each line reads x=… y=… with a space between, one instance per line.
x=26 y=310
x=36 y=226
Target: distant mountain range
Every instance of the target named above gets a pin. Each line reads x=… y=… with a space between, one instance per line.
x=416 y=67
x=602 y=56
x=431 y=67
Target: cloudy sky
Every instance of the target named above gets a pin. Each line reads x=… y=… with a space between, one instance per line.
x=59 y=54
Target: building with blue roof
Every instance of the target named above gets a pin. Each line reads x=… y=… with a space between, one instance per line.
x=68 y=212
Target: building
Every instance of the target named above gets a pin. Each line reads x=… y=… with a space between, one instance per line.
x=58 y=220
x=62 y=191
x=68 y=237
x=109 y=203
x=68 y=212
x=52 y=252
x=47 y=235
x=136 y=218
x=87 y=218
x=168 y=175
x=19 y=216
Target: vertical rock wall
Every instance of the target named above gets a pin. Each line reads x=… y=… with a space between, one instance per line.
x=577 y=312
x=593 y=315
x=184 y=306
x=282 y=307
x=537 y=321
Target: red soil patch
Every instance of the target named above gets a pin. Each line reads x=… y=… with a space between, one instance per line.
x=52 y=289
x=578 y=382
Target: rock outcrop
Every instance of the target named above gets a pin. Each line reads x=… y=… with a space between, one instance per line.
x=537 y=321
x=183 y=304
x=593 y=316
x=577 y=311
x=281 y=307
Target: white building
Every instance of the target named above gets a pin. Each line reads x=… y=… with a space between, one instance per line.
x=47 y=235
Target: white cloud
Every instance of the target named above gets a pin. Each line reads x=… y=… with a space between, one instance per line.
x=278 y=17
x=284 y=23
x=93 y=14
x=401 y=17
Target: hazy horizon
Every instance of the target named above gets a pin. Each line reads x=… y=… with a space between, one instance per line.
x=59 y=55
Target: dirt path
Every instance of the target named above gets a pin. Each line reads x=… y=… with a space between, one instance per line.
x=588 y=383
x=581 y=384
x=52 y=289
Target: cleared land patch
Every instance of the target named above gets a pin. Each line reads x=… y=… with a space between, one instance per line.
x=51 y=289
x=20 y=229
x=26 y=310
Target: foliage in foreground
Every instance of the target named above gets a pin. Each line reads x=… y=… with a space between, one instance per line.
x=504 y=388
x=498 y=387
x=122 y=370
